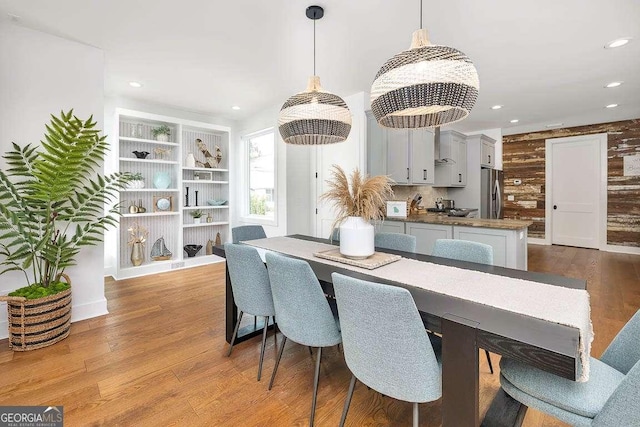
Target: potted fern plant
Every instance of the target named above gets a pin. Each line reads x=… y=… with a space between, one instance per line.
x=357 y=203
x=51 y=205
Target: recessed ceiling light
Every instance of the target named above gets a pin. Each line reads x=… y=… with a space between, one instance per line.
x=135 y=84
x=617 y=42
x=235 y=107
x=611 y=106
x=614 y=84
x=496 y=107
x=514 y=121
x=554 y=125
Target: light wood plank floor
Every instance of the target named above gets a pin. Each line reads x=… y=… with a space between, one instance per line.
x=159 y=358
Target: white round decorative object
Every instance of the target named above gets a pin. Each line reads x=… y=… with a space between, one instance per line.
x=163 y=204
x=191 y=161
x=356 y=238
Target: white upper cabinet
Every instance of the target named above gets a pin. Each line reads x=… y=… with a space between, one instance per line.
x=451 y=166
x=488 y=153
x=422 y=157
x=398 y=155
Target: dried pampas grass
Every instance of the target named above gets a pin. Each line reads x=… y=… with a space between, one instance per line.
x=366 y=197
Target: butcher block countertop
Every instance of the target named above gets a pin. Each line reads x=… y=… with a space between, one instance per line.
x=504 y=224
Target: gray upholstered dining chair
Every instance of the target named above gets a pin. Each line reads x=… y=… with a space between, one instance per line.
x=395 y=241
x=247 y=232
x=251 y=289
x=302 y=310
x=464 y=250
x=335 y=235
x=611 y=396
x=385 y=344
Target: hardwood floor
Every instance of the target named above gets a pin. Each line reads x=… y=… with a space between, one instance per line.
x=159 y=357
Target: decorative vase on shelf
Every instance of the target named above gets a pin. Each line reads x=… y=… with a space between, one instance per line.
x=196 y=220
x=356 y=238
x=161 y=137
x=191 y=161
x=137 y=254
x=209 y=249
x=162 y=180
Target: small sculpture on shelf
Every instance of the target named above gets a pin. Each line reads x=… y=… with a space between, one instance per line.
x=141 y=154
x=211 y=161
x=162 y=153
x=159 y=251
x=192 y=250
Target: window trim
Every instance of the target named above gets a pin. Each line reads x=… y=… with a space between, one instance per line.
x=246 y=217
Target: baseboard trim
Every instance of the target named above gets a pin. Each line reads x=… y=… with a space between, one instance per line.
x=537 y=241
x=623 y=249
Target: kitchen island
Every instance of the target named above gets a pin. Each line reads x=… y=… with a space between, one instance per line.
x=507 y=237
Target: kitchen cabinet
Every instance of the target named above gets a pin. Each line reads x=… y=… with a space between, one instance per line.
x=376 y=147
x=410 y=158
x=509 y=246
x=390 y=227
x=451 y=164
x=427 y=234
x=488 y=152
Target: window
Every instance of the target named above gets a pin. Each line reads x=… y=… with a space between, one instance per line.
x=260 y=148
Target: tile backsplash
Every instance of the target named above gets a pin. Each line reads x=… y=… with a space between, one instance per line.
x=429 y=194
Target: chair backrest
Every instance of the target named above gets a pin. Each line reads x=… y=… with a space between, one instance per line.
x=624 y=351
x=622 y=407
x=247 y=232
x=335 y=235
x=463 y=250
x=396 y=241
x=249 y=280
x=385 y=344
x=302 y=311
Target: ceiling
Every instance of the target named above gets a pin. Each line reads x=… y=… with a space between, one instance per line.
x=543 y=60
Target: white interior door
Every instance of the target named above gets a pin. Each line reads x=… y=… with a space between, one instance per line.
x=575 y=191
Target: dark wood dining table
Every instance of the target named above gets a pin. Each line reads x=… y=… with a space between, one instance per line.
x=465 y=328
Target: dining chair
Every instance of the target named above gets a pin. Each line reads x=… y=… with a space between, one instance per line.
x=247 y=232
x=335 y=235
x=611 y=396
x=303 y=313
x=464 y=250
x=251 y=289
x=385 y=344
x=395 y=241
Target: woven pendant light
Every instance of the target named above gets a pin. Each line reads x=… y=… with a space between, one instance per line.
x=314 y=117
x=425 y=86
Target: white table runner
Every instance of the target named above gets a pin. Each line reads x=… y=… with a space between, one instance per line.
x=564 y=306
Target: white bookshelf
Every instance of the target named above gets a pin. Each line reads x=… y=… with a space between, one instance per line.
x=175 y=225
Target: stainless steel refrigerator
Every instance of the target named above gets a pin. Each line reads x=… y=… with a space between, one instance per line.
x=491 y=189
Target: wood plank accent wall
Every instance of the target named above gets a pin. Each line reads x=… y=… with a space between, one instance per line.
x=524 y=158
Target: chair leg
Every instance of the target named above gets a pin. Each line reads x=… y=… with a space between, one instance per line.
x=347 y=402
x=235 y=333
x=255 y=322
x=310 y=351
x=315 y=387
x=275 y=368
x=264 y=342
x=416 y=415
x=489 y=360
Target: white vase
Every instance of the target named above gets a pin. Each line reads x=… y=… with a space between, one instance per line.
x=191 y=161
x=162 y=137
x=196 y=220
x=356 y=238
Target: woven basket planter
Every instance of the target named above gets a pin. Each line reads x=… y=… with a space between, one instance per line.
x=40 y=322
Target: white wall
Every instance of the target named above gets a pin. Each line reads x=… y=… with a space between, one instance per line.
x=263 y=120
x=42 y=74
x=112 y=163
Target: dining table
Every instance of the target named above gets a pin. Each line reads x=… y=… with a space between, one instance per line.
x=538 y=318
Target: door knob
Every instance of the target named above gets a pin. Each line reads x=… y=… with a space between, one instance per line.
x=555 y=207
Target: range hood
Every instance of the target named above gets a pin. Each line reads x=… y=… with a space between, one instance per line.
x=439 y=160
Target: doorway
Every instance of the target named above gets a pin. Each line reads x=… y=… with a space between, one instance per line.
x=576 y=179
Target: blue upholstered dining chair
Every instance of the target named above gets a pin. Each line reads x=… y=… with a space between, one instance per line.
x=464 y=250
x=302 y=310
x=611 y=396
x=335 y=235
x=395 y=241
x=251 y=289
x=385 y=344
x=247 y=232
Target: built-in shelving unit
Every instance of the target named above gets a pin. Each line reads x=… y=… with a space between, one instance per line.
x=167 y=211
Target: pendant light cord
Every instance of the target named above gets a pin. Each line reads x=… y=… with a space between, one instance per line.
x=420 y=14
x=314 y=47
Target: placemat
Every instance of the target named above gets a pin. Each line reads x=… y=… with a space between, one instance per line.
x=378 y=259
